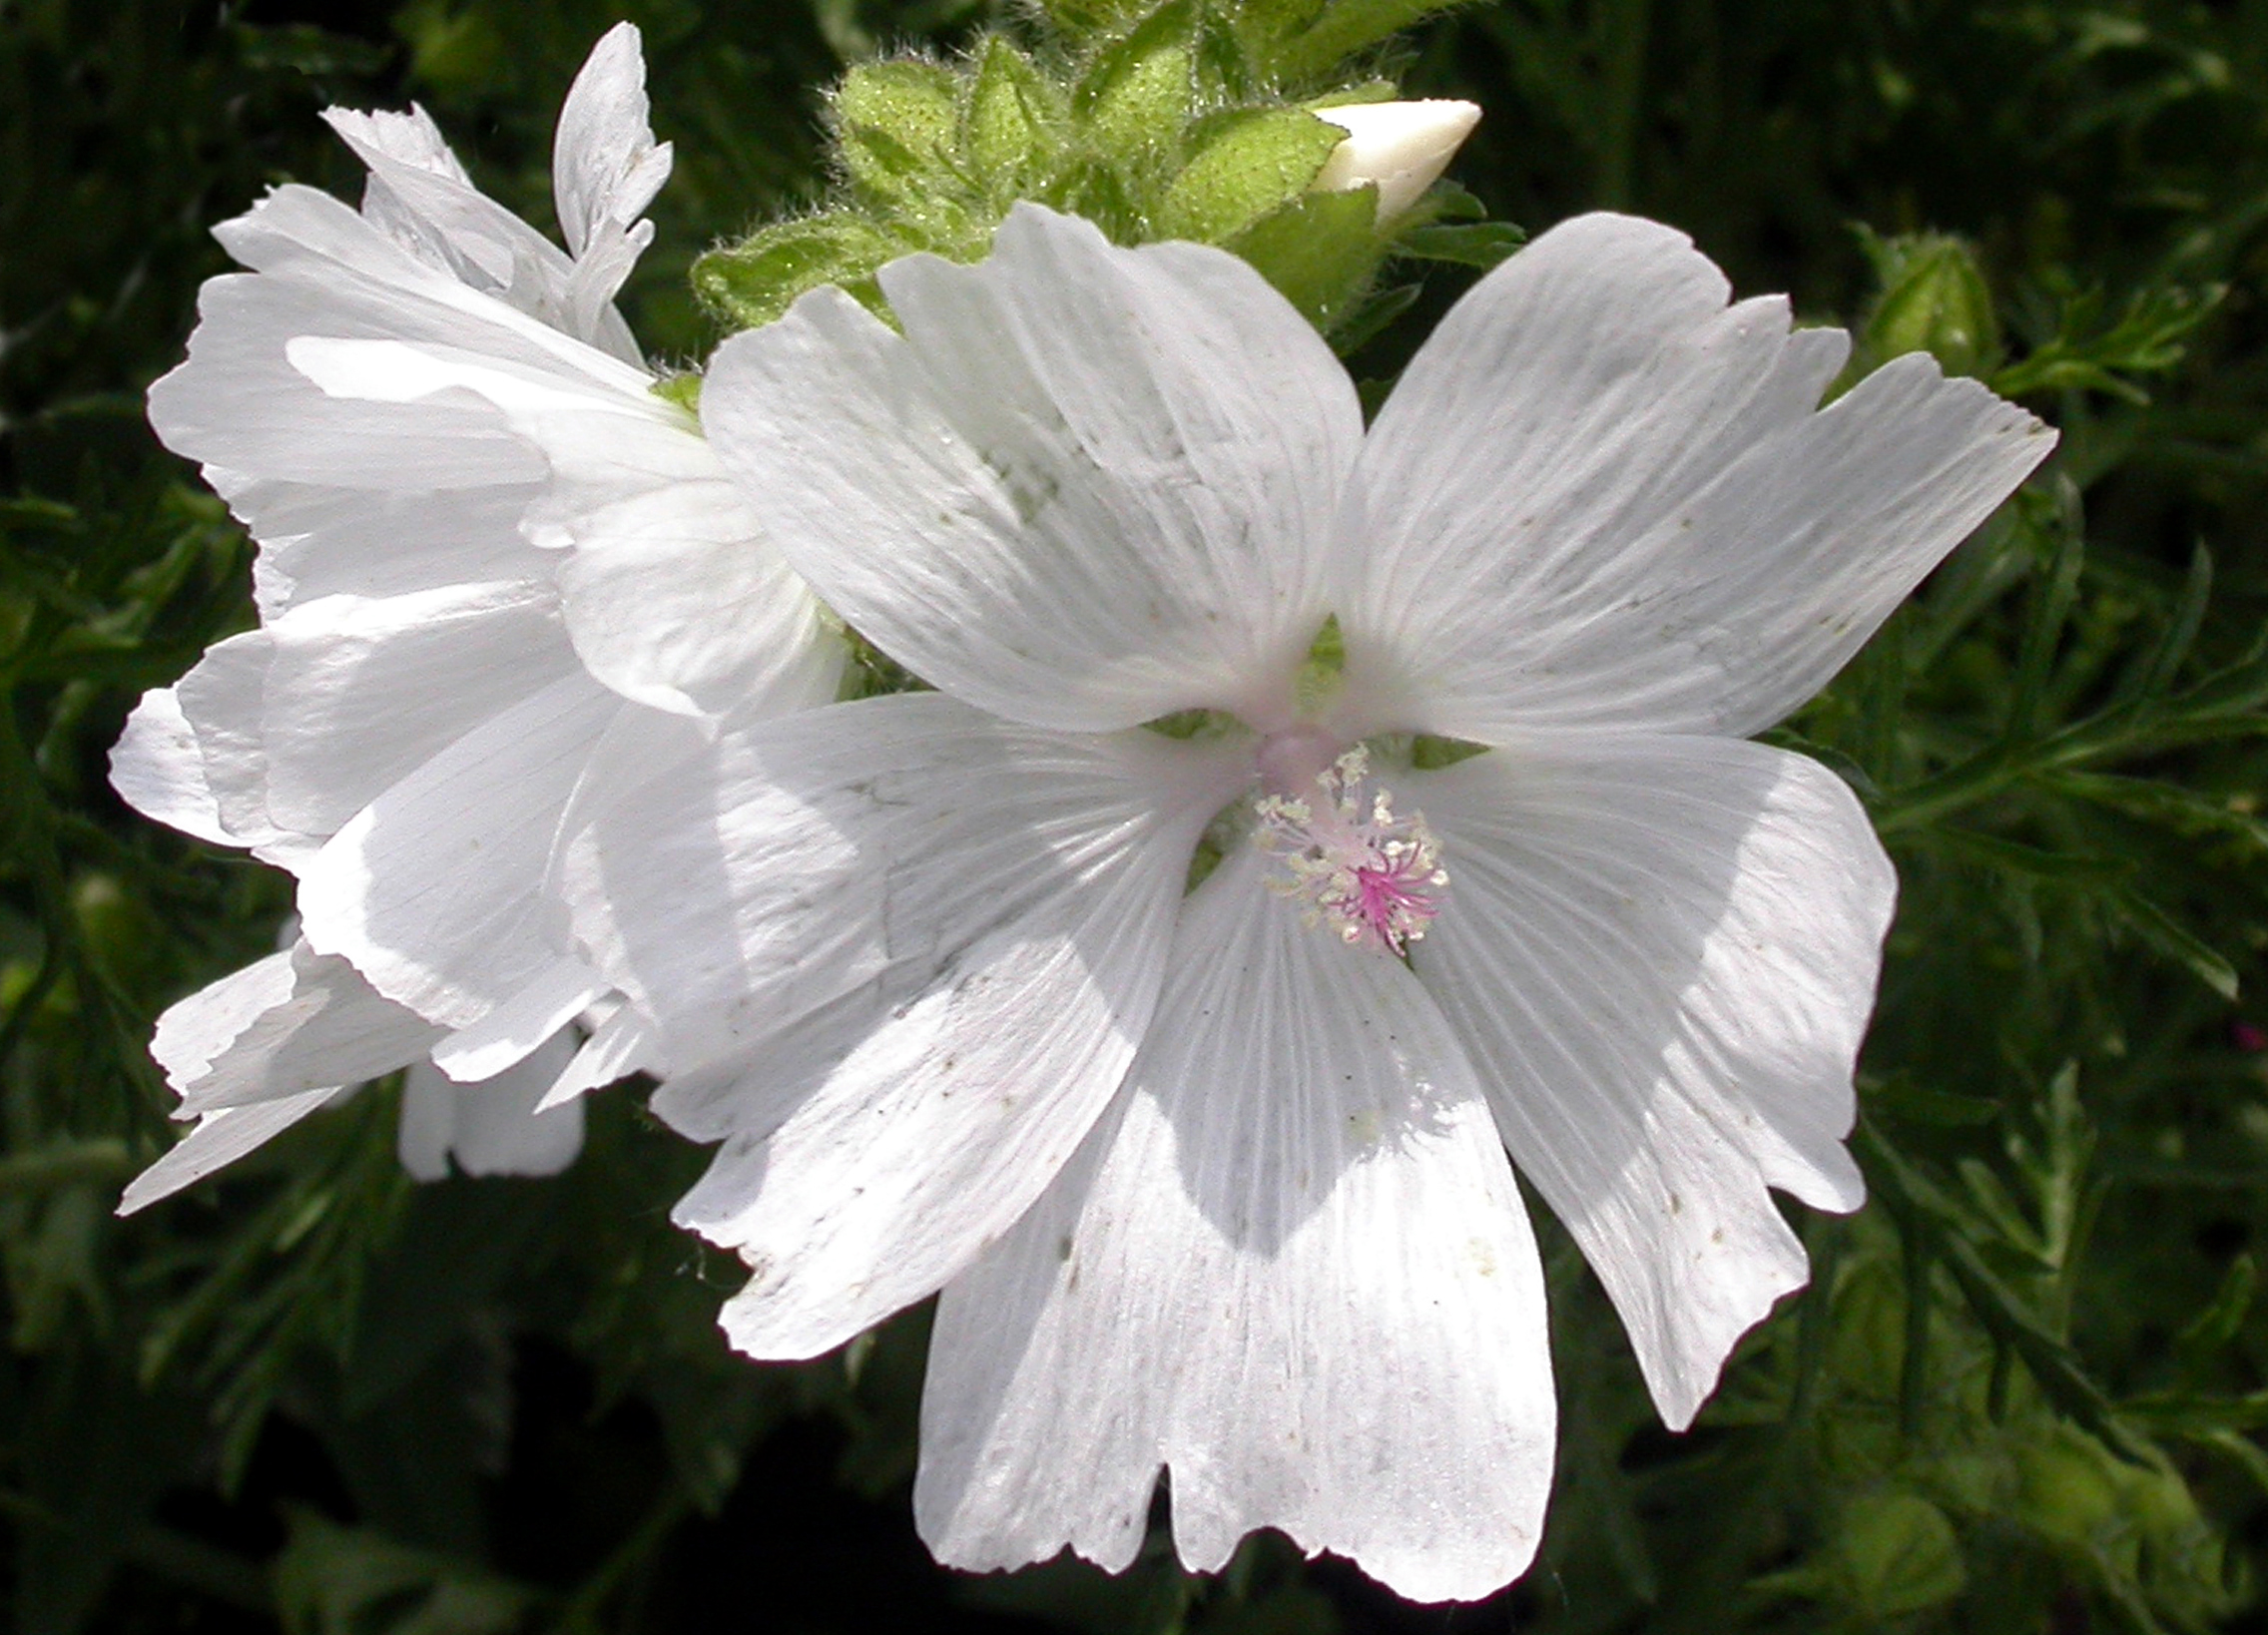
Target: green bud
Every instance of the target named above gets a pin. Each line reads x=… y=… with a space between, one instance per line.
x=1933 y=299
x=1899 y=1554
x=896 y=123
x=1009 y=129
x=1243 y=165
x=754 y=282
x=1140 y=88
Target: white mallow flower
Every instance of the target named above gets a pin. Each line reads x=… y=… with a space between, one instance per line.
x=494 y=570
x=1214 y=1180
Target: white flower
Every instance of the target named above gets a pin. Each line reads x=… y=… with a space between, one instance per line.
x=1403 y=146
x=1214 y=1182
x=495 y=570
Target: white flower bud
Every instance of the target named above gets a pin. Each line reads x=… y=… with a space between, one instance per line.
x=1401 y=146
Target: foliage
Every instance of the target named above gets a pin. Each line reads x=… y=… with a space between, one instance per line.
x=2025 y=1391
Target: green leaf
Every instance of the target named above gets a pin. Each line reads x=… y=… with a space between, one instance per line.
x=2161 y=931
x=752 y=282
x=1344 y=28
x=2031 y=860
x=1243 y=165
x=1899 y=1554
x=333 y=1580
x=1921 y=1207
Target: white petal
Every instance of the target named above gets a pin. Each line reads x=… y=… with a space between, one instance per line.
x=674 y=601
x=749 y=883
x=435 y=890
x=491 y=1127
x=221 y=1138
x=159 y=769
x=357 y=693
x=1291 y=1267
x=1661 y=953
x=1601 y=497
x=1087 y=486
x=436 y=216
x=605 y=163
x=316 y=540
x=292 y=1022
x=1402 y=146
x=623 y=1044
x=899 y=954
x=511 y=1032
x=670 y=598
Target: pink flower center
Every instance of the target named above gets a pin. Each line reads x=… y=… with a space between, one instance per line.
x=1371 y=876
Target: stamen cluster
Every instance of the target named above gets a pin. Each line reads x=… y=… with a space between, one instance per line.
x=1370 y=876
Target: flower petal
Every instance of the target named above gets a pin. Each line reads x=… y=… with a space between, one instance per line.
x=1661 y=953
x=1290 y=1266
x=522 y=1024
x=292 y=1022
x=605 y=164
x=1088 y=486
x=901 y=955
x=159 y=769
x=434 y=890
x=219 y=1139
x=1601 y=497
x=495 y=1127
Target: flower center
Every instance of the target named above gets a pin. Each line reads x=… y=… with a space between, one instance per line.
x=1371 y=876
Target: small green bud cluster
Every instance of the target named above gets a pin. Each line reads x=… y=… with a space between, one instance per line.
x=1187 y=119
x=1933 y=299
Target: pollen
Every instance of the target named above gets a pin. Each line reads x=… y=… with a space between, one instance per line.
x=1370 y=876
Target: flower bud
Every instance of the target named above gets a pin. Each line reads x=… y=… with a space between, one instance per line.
x=1401 y=146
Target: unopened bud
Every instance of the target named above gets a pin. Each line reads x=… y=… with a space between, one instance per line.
x=1401 y=146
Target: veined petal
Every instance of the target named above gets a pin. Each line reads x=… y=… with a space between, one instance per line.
x=745 y=884
x=522 y=1024
x=1291 y=1267
x=605 y=164
x=671 y=596
x=1661 y=953
x=623 y=1044
x=1086 y=487
x=159 y=770
x=352 y=694
x=1601 y=497
x=495 y=1127
x=292 y=1022
x=219 y=1139
x=901 y=954
x=434 y=890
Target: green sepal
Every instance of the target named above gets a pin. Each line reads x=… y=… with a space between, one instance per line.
x=1141 y=87
x=681 y=388
x=1933 y=299
x=1319 y=252
x=1466 y=244
x=1243 y=165
x=756 y=280
x=1010 y=128
x=896 y=125
x=1076 y=17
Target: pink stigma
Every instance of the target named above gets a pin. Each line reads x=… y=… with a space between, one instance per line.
x=1373 y=877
